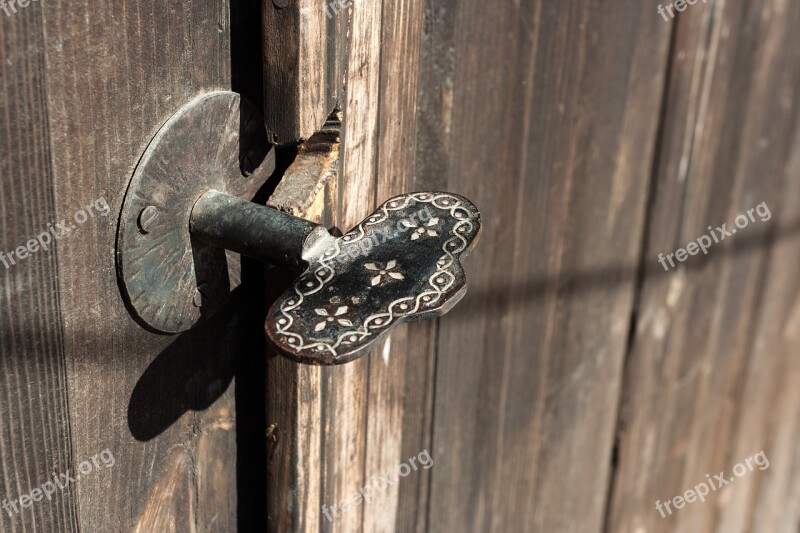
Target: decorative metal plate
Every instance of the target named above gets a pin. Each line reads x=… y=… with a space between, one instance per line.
x=401 y=264
x=216 y=142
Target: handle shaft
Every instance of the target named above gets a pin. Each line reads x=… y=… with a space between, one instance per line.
x=250 y=229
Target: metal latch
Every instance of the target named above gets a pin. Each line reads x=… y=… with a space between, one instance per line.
x=188 y=203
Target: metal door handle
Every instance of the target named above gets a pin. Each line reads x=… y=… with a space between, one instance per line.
x=402 y=263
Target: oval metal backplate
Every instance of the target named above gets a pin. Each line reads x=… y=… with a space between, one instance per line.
x=169 y=281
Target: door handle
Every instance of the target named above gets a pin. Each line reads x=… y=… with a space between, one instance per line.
x=187 y=203
x=402 y=263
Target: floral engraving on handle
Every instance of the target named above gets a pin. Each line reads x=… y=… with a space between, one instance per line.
x=341 y=330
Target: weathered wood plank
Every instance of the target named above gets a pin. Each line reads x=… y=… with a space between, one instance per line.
x=347 y=386
x=550 y=129
x=323 y=413
x=714 y=353
x=295 y=415
x=295 y=403
x=361 y=405
x=769 y=404
x=34 y=407
x=401 y=376
x=162 y=405
x=304 y=51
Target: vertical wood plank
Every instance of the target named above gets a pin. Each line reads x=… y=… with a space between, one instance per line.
x=363 y=405
x=34 y=403
x=769 y=410
x=400 y=371
x=294 y=438
x=553 y=120
x=295 y=427
x=304 y=48
x=162 y=405
x=708 y=377
x=346 y=387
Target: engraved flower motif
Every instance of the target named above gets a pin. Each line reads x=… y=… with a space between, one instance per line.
x=422 y=230
x=331 y=316
x=384 y=272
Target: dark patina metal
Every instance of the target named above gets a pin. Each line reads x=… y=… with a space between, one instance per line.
x=160 y=266
x=187 y=210
x=253 y=230
x=401 y=264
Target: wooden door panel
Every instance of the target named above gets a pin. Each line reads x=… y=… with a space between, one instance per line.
x=362 y=423
x=113 y=76
x=34 y=417
x=576 y=383
x=553 y=131
x=707 y=375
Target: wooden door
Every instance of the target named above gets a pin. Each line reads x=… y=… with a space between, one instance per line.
x=577 y=384
x=85 y=86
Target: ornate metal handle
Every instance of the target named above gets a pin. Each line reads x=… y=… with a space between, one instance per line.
x=402 y=263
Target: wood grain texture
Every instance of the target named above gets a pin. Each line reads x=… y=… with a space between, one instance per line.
x=366 y=428
x=347 y=387
x=712 y=376
x=295 y=435
x=296 y=407
x=401 y=372
x=34 y=407
x=769 y=404
x=304 y=53
x=385 y=428
x=592 y=136
x=162 y=405
x=550 y=130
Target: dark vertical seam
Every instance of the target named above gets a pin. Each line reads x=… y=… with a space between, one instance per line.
x=433 y=381
x=658 y=155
